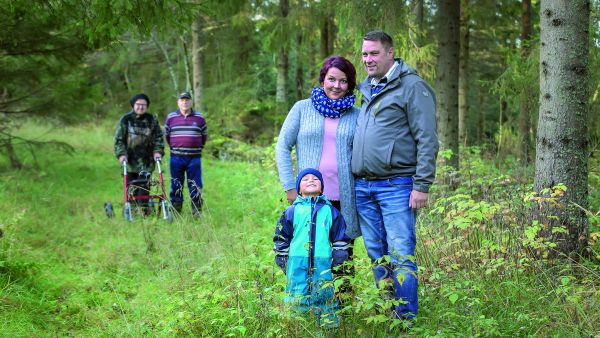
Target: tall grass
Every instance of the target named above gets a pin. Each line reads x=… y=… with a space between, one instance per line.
x=66 y=269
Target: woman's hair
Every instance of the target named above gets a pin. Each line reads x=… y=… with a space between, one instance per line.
x=140 y=96
x=345 y=66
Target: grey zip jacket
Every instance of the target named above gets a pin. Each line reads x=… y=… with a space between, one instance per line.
x=396 y=130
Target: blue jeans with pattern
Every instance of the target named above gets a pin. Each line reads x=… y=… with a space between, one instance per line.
x=388 y=228
x=179 y=166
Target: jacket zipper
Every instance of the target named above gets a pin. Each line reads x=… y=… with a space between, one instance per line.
x=311 y=245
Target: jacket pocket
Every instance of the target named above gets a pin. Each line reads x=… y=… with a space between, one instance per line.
x=380 y=151
x=404 y=152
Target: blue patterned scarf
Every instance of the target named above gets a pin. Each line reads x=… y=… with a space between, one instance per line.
x=328 y=107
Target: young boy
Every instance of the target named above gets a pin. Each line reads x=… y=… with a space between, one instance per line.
x=310 y=240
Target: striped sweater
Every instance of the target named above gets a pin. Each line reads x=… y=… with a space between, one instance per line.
x=186 y=135
x=303 y=129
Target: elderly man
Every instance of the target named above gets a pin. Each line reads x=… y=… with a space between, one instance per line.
x=393 y=161
x=186 y=134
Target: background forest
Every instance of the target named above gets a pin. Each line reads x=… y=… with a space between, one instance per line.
x=506 y=249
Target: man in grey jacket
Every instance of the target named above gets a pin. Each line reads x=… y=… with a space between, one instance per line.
x=393 y=161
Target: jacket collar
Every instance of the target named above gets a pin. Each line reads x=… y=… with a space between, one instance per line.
x=307 y=200
x=402 y=69
x=192 y=112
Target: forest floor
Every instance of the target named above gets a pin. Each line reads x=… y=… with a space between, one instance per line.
x=68 y=270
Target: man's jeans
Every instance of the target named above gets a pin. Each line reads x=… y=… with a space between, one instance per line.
x=179 y=165
x=388 y=228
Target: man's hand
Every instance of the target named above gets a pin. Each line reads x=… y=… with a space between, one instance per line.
x=157 y=156
x=291 y=195
x=418 y=199
x=122 y=158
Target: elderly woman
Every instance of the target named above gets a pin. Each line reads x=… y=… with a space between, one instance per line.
x=321 y=129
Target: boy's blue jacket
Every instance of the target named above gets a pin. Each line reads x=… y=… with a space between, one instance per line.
x=309 y=240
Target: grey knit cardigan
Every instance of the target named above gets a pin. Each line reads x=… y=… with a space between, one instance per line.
x=303 y=128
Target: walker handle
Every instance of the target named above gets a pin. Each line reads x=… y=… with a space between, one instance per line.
x=158 y=159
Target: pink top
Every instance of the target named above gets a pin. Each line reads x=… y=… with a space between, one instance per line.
x=328 y=165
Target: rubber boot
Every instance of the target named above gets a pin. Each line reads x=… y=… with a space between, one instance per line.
x=197 y=206
x=177 y=206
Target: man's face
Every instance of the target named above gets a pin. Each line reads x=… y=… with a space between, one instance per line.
x=376 y=58
x=310 y=185
x=140 y=106
x=184 y=104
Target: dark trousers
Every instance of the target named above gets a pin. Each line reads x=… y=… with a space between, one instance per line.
x=180 y=166
x=347 y=270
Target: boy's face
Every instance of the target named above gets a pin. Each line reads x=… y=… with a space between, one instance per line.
x=310 y=185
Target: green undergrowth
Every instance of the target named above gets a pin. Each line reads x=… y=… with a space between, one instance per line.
x=68 y=270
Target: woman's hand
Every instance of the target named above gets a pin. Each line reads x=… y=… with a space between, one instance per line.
x=291 y=195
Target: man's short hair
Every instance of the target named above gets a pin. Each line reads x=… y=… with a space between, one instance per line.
x=380 y=36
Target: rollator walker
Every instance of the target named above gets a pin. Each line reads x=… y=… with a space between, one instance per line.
x=146 y=183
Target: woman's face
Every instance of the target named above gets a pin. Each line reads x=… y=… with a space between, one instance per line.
x=335 y=83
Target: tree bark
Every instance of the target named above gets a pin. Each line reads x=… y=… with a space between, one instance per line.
x=312 y=63
x=186 y=64
x=447 y=76
x=170 y=65
x=282 y=65
x=463 y=79
x=562 y=147
x=416 y=30
x=198 y=74
x=327 y=35
x=525 y=99
x=299 y=68
x=481 y=94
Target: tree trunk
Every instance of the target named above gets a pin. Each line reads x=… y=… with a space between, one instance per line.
x=481 y=115
x=416 y=28
x=282 y=66
x=170 y=65
x=299 y=68
x=463 y=79
x=525 y=106
x=186 y=64
x=447 y=76
x=198 y=76
x=126 y=79
x=327 y=35
x=15 y=163
x=312 y=64
x=562 y=147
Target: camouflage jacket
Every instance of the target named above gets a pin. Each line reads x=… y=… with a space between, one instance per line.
x=138 y=137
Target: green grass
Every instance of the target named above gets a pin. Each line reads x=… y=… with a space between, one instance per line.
x=65 y=269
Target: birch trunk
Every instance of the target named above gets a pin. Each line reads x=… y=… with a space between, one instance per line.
x=282 y=66
x=198 y=74
x=170 y=65
x=525 y=111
